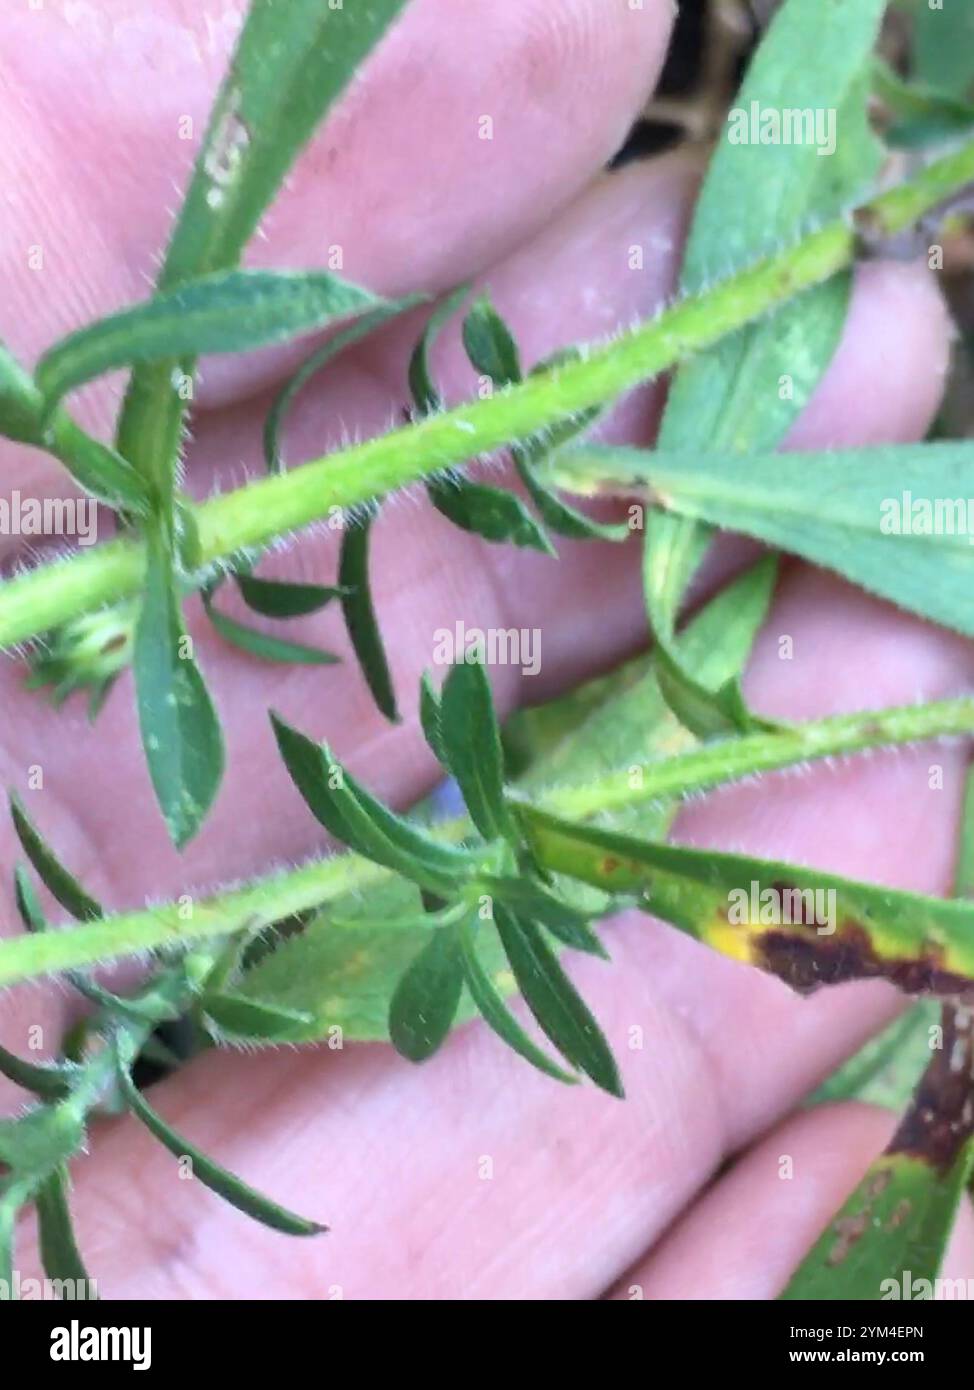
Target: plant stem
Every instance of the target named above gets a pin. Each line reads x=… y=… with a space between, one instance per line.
x=275 y=506
x=314 y=884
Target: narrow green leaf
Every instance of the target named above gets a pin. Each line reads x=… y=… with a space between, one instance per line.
x=277 y=415
x=758 y=196
x=276 y=598
x=49 y=1082
x=472 y=742
x=889 y=1238
x=491 y=512
x=497 y=1015
x=60 y=1255
x=360 y=619
x=896 y=519
x=254 y=1020
x=429 y=717
x=426 y=397
x=351 y=814
x=809 y=928
x=230 y=311
x=225 y=1184
x=490 y=344
x=99 y=469
x=179 y=725
x=560 y=1011
x=61 y=884
x=569 y=924
x=264 y=644
x=425 y=1002
x=28 y=905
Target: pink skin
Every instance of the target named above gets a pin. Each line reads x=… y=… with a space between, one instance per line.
x=583 y=1188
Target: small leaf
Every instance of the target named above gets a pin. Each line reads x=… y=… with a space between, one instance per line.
x=275 y=598
x=491 y=512
x=944 y=46
x=363 y=629
x=352 y=815
x=179 y=725
x=264 y=644
x=49 y=1082
x=886 y=1069
x=236 y=1016
x=61 y=884
x=490 y=344
x=225 y=1184
x=426 y=397
x=429 y=717
x=27 y=902
x=425 y=1002
x=569 y=924
x=99 y=469
x=472 y=742
x=922 y=114
x=60 y=1255
x=559 y=1009
x=497 y=1015
x=277 y=415
x=230 y=311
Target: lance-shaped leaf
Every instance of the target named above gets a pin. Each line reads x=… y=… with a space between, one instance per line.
x=745 y=393
x=60 y=1255
x=278 y=598
x=569 y=924
x=430 y=716
x=352 y=815
x=360 y=619
x=897 y=519
x=493 y=513
x=264 y=644
x=561 y=1013
x=49 y=1082
x=225 y=1184
x=234 y=1016
x=808 y=928
x=889 y=1238
x=490 y=512
x=180 y=729
x=495 y=1012
x=60 y=883
x=230 y=311
x=290 y=64
x=472 y=743
x=425 y=1001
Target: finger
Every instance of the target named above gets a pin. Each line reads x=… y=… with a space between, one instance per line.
x=399 y=178
x=747 y=1235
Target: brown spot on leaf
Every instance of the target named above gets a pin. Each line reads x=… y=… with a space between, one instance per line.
x=807 y=960
x=940 y=1119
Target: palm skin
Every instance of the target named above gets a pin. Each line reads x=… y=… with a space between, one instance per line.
x=587 y=1196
